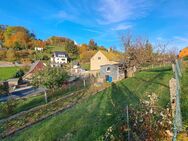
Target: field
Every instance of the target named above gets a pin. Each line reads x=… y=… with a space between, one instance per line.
x=7 y=72
x=184 y=94
x=56 y=48
x=90 y=119
x=184 y=101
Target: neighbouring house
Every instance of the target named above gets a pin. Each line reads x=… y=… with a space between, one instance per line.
x=76 y=69
x=39 y=49
x=13 y=82
x=111 y=72
x=59 y=58
x=35 y=67
x=104 y=58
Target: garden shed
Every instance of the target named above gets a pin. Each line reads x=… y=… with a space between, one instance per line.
x=111 y=72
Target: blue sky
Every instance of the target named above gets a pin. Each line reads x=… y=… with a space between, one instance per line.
x=102 y=20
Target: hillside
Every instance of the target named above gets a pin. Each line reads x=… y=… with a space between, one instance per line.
x=90 y=119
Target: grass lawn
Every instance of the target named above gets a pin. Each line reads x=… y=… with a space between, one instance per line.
x=56 y=48
x=184 y=94
x=90 y=119
x=7 y=72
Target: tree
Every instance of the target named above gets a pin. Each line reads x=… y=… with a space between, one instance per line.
x=137 y=52
x=45 y=57
x=17 y=37
x=2 y=54
x=149 y=52
x=71 y=48
x=38 y=43
x=92 y=45
x=58 y=41
x=83 y=48
x=86 y=56
x=19 y=73
x=126 y=43
x=11 y=55
x=1 y=34
x=50 y=77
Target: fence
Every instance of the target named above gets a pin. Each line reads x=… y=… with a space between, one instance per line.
x=21 y=121
x=177 y=123
x=155 y=66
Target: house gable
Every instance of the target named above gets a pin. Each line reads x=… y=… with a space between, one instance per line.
x=98 y=60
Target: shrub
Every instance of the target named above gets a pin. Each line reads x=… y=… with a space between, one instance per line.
x=11 y=55
x=8 y=107
x=3 y=89
x=2 y=54
x=19 y=73
x=45 y=57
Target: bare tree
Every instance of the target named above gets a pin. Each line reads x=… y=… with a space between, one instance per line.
x=126 y=44
x=164 y=54
x=136 y=52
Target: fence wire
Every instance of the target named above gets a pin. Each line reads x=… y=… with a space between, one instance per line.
x=177 y=118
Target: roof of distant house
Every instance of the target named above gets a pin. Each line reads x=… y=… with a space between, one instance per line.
x=112 y=56
x=34 y=65
x=57 y=53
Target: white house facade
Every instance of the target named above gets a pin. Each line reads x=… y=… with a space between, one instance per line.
x=39 y=49
x=59 y=58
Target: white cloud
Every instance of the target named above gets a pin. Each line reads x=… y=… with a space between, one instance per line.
x=103 y=12
x=91 y=30
x=113 y=11
x=182 y=39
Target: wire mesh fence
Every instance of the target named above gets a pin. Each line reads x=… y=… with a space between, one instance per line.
x=177 y=118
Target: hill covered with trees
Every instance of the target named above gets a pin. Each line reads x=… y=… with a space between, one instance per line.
x=17 y=43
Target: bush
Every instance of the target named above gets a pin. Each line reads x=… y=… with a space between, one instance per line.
x=2 y=54
x=185 y=58
x=19 y=73
x=45 y=57
x=25 y=60
x=8 y=107
x=11 y=55
x=3 y=89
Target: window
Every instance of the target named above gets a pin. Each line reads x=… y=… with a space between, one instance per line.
x=61 y=56
x=99 y=58
x=108 y=69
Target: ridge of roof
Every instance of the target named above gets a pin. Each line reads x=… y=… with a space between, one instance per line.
x=112 y=56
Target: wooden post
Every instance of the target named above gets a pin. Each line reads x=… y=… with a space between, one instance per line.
x=45 y=96
x=128 y=123
x=84 y=82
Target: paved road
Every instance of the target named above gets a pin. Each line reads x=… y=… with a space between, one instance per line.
x=10 y=64
x=13 y=65
x=20 y=93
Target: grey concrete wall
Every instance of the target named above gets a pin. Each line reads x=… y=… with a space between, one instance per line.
x=114 y=72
